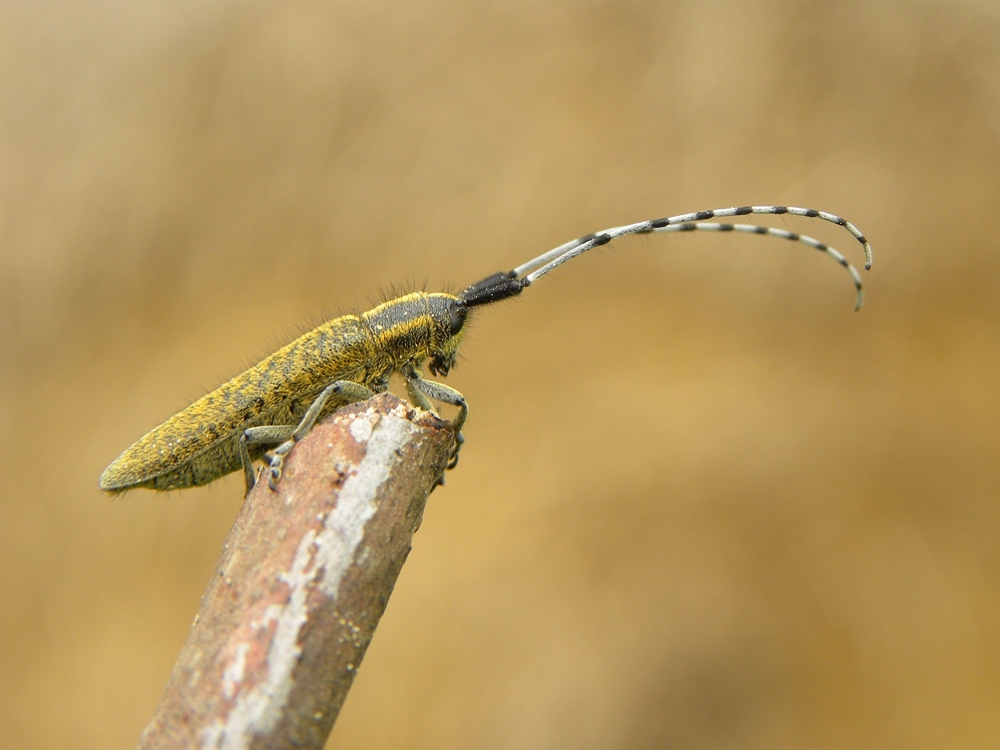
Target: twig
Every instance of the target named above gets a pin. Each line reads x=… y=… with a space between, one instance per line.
x=304 y=577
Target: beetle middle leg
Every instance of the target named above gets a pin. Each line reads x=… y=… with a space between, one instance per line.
x=346 y=391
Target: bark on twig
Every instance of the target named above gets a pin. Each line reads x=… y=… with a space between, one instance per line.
x=304 y=577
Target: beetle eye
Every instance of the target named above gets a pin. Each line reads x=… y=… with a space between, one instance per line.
x=457 y=320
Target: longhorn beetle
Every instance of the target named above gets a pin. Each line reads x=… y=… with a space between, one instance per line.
x=350 y=358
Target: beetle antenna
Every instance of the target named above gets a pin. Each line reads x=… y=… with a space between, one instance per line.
x=696 y=222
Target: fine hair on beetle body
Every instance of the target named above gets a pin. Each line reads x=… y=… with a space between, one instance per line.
x=351 y=357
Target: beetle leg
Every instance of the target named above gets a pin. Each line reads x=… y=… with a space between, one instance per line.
x=249 y=477
x=417 y=398
x=254 y=436
x=446 y=395
x=272 y=433
x=346 y=391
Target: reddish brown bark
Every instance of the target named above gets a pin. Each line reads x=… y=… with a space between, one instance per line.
x=304 y=577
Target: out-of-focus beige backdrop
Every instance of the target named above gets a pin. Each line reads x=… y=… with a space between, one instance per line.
x=702 y=503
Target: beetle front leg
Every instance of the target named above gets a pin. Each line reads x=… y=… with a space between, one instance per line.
x=416 y=397
x=446 y=395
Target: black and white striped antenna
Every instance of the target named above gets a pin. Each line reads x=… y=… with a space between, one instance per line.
x=502 y=285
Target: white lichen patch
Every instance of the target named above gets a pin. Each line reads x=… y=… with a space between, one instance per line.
x=232 y=678
x=361 y=428
x=344 y=528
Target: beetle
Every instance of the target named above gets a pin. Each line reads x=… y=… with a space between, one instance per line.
x=350 y=358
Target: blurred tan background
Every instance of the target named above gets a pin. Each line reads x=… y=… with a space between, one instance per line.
x=702 y=503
